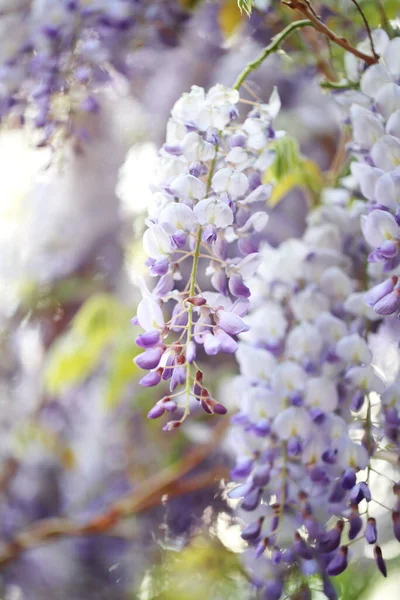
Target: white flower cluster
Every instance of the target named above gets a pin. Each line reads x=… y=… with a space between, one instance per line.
x=375 y=121
x=208 y=180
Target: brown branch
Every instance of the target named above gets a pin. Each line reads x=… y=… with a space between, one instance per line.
x=306 y=9
x=146 y=495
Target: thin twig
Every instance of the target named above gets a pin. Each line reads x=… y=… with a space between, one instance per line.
x=306 y=9
x=272 y=47
x=367 y=27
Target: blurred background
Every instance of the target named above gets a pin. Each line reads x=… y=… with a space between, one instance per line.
x=95 y=501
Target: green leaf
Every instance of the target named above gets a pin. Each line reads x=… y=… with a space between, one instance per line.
x=290 y=170
x=245 y=6
x=102 y=324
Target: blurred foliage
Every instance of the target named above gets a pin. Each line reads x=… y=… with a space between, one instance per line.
x=230 y=17
x=100 y=328
x=203 y=570
x=290 y=170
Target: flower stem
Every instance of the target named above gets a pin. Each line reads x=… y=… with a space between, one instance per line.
x=272 y=47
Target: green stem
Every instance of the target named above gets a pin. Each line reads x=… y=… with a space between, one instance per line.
x=192 y=291
x=272 y=47
x=334 y=85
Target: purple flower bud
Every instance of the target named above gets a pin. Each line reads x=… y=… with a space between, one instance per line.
x=252 y=531
x=302 y=548
x=339 y=562
x=173 y=149
x=337 y=494
x=379 y=561
x=179 y=239
x=380 y=291
x=261 y=475
x=355 y=522
x=231 y=323
x=237 y=288
x=371 y=534
x=388 y=249
x=159 y=267
x=389 y=304
x=209 y=234
x=150 y=358
x=219 y=281
x=329 y=456
x=195 y=169
x=247 y=246
x=227 y=343
x=211 y=344
x=151 y=379
x=212 y=136
x=171 y=425
x=294 y=446
x=276 y=556
x=318 y=416
x=218 y=409
x=349 y=479
x=156 y=412
x=396 y=524
x=330 y=540
x=357 y=401
x=261 y=547
x=242 y=469
x=178 y=378
x=252 y=500
x=164 y=285
x=296 y=398
x=148 y=339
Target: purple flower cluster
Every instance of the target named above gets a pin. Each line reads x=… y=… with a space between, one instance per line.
x=55 y=54
x=202 y=225
x=375 y=121
x=304 y=430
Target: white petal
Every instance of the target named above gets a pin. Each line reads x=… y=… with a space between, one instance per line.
x=391 y=57
x=388 y=99
x=249 y=265
x=177 y=216
x=374 y=78
x=367 y=128
x=187 y=186
x=293 y=421
x=386 y=153
x=321 y=393
x=156 y=242
x=378 y=227
x=233 y=182
x=212 y=211
x=366 y=177
x=257 y=221
x=149 y=314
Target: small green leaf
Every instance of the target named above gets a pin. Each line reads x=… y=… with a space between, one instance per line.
x=290 y=170
x=246 y=6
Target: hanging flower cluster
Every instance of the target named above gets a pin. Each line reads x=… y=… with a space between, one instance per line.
x=54 y=54
x=203 y=225
x=375 y=121
x=306 y=425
